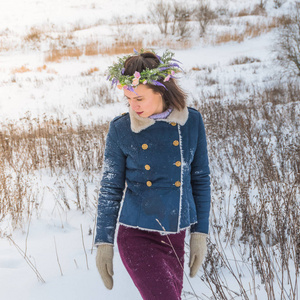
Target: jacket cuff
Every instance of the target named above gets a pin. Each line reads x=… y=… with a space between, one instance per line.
x=199 y=234
x=102 y=243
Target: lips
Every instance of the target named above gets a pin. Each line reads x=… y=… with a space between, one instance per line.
x=139 y=112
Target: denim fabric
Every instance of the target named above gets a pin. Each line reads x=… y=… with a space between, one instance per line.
x=166 y=170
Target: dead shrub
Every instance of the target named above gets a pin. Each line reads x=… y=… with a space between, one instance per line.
x=98 y=96
x=287 y=45
x=160 y=14
x=244 y=60
x=204 y=15
x=181 y=14
x=34 y=35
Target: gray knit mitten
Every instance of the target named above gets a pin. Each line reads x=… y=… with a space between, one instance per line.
x=198 y=249
x=104 y=262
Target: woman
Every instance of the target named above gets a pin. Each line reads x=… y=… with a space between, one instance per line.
x=159 y=149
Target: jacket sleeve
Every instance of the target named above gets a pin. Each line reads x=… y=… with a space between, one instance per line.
x=112 y=187
x=200 y=180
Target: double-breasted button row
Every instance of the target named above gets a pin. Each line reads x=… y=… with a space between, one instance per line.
x=177 y=183
x=177 y=163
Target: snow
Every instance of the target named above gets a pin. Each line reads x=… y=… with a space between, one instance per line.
x=60 y=90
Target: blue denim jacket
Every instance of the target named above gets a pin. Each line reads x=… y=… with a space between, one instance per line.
x=164 y=166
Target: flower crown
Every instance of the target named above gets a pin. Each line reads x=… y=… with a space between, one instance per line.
x=164 y=71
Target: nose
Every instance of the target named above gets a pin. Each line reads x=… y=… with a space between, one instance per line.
x=135 y=105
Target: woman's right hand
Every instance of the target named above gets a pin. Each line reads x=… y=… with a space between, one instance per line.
x=104 y=262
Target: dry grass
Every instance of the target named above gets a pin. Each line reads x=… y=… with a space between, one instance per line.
x=45 y=68
x=244 y=60
x=119 y=47
x=255 y=211
x=94 y=48
x=250 y=31
x=56 y=55
x=42 y=68
x=256 y=11
x=22 y=69
x=79 y=25
x=90 y=71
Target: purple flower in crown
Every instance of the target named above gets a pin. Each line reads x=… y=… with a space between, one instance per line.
x=158 y=83
x=131 y=89
x=122 y=71
x=164 y=68
x=159 y=58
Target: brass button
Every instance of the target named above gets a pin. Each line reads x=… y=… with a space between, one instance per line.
x=175 y=143
x=149 y=183
x=173 y=123
x=177 y=183
x=145 y=146
x=178 y=164
x=147 y=167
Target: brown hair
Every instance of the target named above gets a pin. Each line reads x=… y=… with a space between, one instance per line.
x=173 y=96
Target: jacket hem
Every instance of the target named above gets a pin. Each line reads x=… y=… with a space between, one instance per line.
x=162 y=232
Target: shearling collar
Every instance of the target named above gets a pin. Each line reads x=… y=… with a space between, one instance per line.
x=138 y=123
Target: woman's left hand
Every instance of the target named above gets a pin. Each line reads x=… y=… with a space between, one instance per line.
x=198 y=249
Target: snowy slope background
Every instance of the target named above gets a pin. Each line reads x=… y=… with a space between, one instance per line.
x=49 y=253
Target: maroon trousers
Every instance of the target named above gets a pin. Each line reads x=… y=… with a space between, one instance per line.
x=151 y=263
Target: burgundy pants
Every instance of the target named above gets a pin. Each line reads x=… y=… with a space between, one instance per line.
x=152 y=264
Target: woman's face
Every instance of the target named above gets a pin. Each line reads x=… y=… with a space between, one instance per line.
x=145 y=102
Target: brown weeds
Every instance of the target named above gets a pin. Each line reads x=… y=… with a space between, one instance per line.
x=255 y=213
x=22 y=69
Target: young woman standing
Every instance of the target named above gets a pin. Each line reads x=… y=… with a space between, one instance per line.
x=159 y=150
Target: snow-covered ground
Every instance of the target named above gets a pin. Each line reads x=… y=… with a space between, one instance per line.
x=53 y=236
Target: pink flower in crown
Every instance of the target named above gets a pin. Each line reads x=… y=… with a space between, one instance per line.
x=145 y=82
x=167 y=78
x=135 y=81
x=172 y=73
x=137 y=74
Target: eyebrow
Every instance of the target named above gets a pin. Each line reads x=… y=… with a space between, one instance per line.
x=134 y=97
